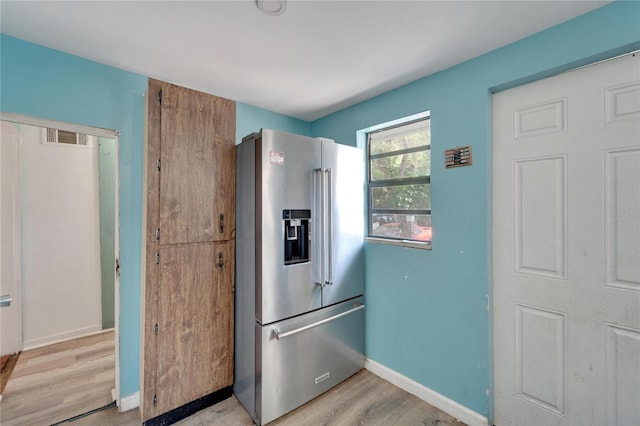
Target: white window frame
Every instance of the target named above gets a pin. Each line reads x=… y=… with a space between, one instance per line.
x=363 y=142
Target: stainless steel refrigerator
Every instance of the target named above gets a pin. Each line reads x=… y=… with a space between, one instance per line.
x=299 y=315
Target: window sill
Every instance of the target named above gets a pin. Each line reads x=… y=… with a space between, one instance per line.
x=400 y=243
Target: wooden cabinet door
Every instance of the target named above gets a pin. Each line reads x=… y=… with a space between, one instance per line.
x=190 y=220
x=195 y=320
x=197 y=168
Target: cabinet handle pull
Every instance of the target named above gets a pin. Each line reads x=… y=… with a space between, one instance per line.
x=220 y=262
x=222 y=223
x=5 y=300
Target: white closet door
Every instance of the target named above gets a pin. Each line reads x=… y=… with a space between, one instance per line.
x=566 y=223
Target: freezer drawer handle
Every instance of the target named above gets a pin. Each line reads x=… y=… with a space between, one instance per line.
x=280 y=335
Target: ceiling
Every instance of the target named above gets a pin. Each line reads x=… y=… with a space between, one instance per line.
x=318 y=57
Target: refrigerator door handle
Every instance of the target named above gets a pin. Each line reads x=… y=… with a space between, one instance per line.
x=279 y=335
x=321 y=173
x=329 y=228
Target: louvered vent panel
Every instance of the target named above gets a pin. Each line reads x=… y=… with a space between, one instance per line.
x=67 y=137
x=57 y=136
x=51 y=135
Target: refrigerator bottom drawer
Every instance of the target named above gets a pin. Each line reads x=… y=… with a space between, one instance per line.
x=300 y=358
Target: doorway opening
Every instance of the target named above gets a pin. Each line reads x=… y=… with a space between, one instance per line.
x=60 y=216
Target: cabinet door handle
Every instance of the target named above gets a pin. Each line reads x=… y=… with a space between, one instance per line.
x=221 y=223
x=5 y=300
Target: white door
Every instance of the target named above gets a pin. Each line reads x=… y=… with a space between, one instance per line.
x=566 y=226
x=10 y=312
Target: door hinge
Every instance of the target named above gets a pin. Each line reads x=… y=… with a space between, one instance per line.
x=157 y=258
x=160 y=96
x=155 y=400
x=158 y=234
x=155 y=329
x=117 y=266
x=158 y=165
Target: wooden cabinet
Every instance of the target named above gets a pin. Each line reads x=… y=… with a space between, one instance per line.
x=190 y=221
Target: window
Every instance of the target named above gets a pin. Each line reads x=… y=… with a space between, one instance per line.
x=399 y=181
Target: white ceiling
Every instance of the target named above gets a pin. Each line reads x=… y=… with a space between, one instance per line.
x=317 y=58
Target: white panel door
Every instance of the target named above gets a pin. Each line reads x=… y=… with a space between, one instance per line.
x=566 y=223
x=10 y=314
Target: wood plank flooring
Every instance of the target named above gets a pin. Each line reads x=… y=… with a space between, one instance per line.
x=59 y=381
x=363 y=399
x=8 y=364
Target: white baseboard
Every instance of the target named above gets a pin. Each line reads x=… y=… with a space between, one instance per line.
x=129 y=402
x=61 y=337
x=432 y=397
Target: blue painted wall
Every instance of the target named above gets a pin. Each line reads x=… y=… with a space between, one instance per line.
x=427 y=314
x=251 y=119
x=41 y=82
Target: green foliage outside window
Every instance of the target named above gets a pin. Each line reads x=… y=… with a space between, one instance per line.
x=399 y=182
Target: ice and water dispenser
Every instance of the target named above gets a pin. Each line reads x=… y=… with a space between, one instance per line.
x=297 y=236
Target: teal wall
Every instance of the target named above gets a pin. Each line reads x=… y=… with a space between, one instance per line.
x=45 y=83
x=107 y=195
x=251 y=119
x=427 y=311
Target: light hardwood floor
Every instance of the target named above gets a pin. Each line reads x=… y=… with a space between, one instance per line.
x=59 y=381
x=8 y=363
x=363 y=399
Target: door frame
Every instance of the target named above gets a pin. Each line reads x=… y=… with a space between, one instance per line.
x=105 y=133
x=16 y=340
